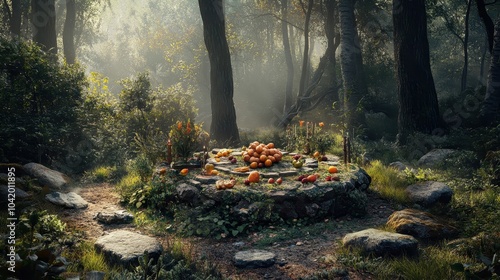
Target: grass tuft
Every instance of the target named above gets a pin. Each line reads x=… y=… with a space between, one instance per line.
x=388 y=182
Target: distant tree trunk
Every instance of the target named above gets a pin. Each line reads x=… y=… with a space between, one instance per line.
x=351 y=62
x=69 y=32
x=488 y=22
x=15 y=21
x=418 y=104
x=491 y=103
x=223 y=128
x=288 y=57
x=463 y=84
x=305 y=58
x=333 y=41
x=483 y=58
x=44 y=24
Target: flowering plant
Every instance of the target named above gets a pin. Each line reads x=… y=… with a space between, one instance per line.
x=184 y=138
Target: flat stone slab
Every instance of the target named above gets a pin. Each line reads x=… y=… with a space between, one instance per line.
x=254 y=259
x=429 y=193
x=382 y=243
x=420 y=224
x=270 y=175
x=46 y=176
x=125 y=247
x=68 y=200
x=207 y=179
x=288 y=173
x=117 y=217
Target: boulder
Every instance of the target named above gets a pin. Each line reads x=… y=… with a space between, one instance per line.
x=117 y=217
x=254 y=259
x=68 y=200
x=4 y=194
x=46 y=176
x=420 y=224
x=435 y=157
x=382 y=243
x=398 y=165
x=124 y=247
x=429 y=193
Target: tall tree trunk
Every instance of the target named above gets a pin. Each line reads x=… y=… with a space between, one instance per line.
x=463 y=83
x=489 y=108
x=44 y=24
x=69 y=32
x=15 y=21
x=288 y=57
x=418 y=104
x=305 y=59
x=333 y=41
x=483 y=58
x=223 y=128
x=488 y=22
x=351 y=62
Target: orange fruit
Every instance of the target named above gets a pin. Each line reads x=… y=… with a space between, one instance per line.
x=270 y=145
x=214 y=172
x=184 y=172
x=268 y=163
x=246 y=158
x=254 y=165
x=263 y=158
x=333 y=169
x=254 y=177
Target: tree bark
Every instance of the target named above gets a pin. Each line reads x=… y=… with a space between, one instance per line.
x=15 y=21
x=305 y=58
x=351 y=62
x=223 y=128
x=288 y=57
x=463 y=84
x=418 y=104
x=44 y=25
x=491 y=103
x=488 y=22
x=69 y=32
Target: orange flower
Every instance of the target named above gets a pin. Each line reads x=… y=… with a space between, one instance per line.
x=188 y=130
x=179 y=125
x=321 y=124
x=188 y=125
x=301 y=123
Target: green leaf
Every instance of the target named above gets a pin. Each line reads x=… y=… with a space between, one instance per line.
x=138 y=204
x=235 y=232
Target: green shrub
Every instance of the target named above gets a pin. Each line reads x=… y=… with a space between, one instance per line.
x=388 y=182
x=128 y=185
x=39 y=98
x=109 y=174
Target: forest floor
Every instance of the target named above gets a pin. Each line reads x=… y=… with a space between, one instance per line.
x=296 y=257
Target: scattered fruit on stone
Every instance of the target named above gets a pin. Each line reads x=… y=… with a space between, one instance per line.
x=233 y=161
x=333 y=169
x=214 y=173
x=324 y=158
x=262 y=154
x=336 y=177
x=304 y=181
x=163 y=171
x=316 y=154
x=328 y=178
x=311 y=178
x=225 y=184
x=301 y=177
x=184 y=171
x=271 y=181
x=223 y=153
x=279 y=181
x=242 y=169
x=297 y=163
x=247 y=182
x=208 y=168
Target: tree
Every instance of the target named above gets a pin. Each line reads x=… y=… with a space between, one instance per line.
x=418 y=104
x=305 y=60
x=223 y=128
x=15 y=20
x=488 y=22
x=491 y=103
x=44 y=24
x=69 y=32
x=351 y=62
x=288 y=56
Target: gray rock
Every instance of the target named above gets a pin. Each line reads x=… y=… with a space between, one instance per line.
x=4 y=178
x=194 y=183
x=68 y=200
x=20 y=194
x=117 y=217
x=223 y=169
x=46 y=176
x=270 y=175
x=398 y=165
x=435 y=157
x=187 y=193
x=254 y=259
x=95 y=275
x=382 y=243
x=429 y=193
x=207 y=179
x=125 y=247
x=288 y=173
x=420 y=224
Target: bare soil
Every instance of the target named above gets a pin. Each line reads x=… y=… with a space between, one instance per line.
x=296 y=257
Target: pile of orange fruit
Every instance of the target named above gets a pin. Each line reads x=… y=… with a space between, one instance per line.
x=260 y=155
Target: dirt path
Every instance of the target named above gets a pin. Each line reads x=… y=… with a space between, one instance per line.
x=296 y=257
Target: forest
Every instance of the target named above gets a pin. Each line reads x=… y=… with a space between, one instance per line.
x=250 y=139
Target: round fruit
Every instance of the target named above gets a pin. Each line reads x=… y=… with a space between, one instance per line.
x=254 y=159
x=333 y=169
x=270 y=145
x=304 y=180
x=268 y=163
x=260 y=164
x=271 y=181
x=259 y=149
x=316 y=154
x=328 y=178
x=246 y=158
x=254 y=177
x=263 y=158
x=184 y=172
x=254 y=165
x=214 y=173
x=296 y=157
x=273 y=159
x=233 y=161
x=230 y=158
x=311 y=178
x=209 y=167
x=324 y=158
x=247 y=182
x=301 y=177
x=279 y=181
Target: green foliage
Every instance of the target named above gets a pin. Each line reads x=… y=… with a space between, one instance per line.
x=264 y=135
x=184 y=139
x=128 y=185
x=88 y=259
x=39 y=98
x=388 y=182
x=101 y=174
